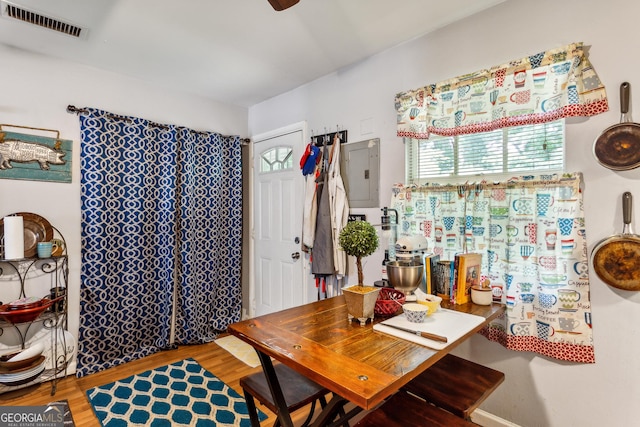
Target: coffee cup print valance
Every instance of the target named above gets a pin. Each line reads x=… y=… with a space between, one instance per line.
x=540 y=88
x=34 y=157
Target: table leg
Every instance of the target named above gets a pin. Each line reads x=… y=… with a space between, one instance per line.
x=325 y=418
x=276 y=391
x=335 y=408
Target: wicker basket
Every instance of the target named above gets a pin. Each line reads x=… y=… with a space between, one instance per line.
x=389 y=302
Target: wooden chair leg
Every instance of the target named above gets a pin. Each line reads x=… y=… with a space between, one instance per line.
x=253 y=411
x=297 y=391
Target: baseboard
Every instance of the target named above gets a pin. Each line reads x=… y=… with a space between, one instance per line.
x=486 y=419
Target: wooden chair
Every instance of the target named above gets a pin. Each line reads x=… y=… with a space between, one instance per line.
x=297 y=389
x=402 y=410
x=456 y=384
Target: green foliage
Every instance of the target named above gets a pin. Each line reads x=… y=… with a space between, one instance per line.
x=359 y=239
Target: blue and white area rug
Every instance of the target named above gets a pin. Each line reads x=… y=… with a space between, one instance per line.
x=180 y=394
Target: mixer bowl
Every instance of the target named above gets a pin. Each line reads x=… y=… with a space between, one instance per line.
x=405 y=276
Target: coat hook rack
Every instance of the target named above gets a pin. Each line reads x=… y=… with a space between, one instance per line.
x=328 y=138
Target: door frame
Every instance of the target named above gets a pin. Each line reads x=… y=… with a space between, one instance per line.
x=295 y=127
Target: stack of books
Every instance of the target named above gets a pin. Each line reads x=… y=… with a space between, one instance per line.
x=466 y=273
x=452 y=279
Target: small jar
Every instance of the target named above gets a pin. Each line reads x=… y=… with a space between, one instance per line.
x=481 y=296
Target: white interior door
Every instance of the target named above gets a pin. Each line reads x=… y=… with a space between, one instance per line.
x=277 y=206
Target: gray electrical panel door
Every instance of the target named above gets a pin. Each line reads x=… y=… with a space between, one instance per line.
x=360 y=172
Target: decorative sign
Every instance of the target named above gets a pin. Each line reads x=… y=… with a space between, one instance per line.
x=34 y=157
x=356 y=217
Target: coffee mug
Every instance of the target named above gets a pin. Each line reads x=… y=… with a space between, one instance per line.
x=55 y=293
x=521 y=97
x=545 y=330
x=459 y=117
x=527 y=298
x=57 y=247
x=44 y=249
x=568 y=324
x=495 y=229
x=547 y=300
x=520 y=329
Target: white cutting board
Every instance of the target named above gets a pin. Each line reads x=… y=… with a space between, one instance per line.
x=447 y=323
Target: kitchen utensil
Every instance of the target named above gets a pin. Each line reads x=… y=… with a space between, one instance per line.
x=26 y=314
x=23 y=377
x=14 y=370
x=34 y=350
x=25 y=303
x=427 y=335
x=618 y=147
x=616 y=259
x=6 y=365
x=389 y=302
x=405 y=276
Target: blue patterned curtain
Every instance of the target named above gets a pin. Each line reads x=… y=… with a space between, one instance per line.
x=128 y=239
x=161 y=223
x=210 y=230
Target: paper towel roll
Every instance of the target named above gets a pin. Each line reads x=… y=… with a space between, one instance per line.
x=13 y=237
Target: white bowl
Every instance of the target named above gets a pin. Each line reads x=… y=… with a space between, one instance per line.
x=415 y=313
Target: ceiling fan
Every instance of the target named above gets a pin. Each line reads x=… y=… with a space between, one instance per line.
x=282 y=4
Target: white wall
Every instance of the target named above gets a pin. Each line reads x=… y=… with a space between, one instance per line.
x=538 y=391
x=36 y=91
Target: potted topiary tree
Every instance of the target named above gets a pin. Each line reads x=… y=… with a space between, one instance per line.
x=359 y=239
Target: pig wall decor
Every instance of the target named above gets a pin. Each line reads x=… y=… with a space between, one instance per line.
x=34 y=157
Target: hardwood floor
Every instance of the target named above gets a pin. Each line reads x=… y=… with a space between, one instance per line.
x=211 y=356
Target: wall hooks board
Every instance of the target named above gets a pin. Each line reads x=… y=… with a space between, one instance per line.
x=327 y=138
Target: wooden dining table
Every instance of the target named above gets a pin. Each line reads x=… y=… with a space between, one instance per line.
x=356 y=363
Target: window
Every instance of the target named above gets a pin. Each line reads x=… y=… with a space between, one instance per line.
x=276 y=159
x=521 y=149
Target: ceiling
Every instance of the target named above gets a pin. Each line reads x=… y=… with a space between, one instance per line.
x=238 y=52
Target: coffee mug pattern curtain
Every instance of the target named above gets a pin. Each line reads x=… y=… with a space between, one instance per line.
x=160 y=227
x=531 y=233
x=540 y=88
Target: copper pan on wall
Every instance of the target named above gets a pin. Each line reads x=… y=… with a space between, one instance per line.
x=618 y=146
x=616 y=259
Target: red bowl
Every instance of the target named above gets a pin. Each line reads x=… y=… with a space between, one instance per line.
x=389 y=302
x=24 y=303
x=26 y=314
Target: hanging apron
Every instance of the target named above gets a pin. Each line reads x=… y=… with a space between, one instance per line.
x=322 y=263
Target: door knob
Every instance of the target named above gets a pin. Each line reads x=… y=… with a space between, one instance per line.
x=295 y=255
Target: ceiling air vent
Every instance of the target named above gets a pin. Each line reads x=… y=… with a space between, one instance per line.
x=16 y=12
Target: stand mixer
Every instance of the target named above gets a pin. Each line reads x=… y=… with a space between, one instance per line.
x=406 y=272
x=411 y=248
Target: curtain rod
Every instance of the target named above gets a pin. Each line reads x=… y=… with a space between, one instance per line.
x=503 y=184
x=74 y=110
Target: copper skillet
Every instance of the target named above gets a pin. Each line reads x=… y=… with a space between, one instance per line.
x=618 y=146
x=616 y=259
